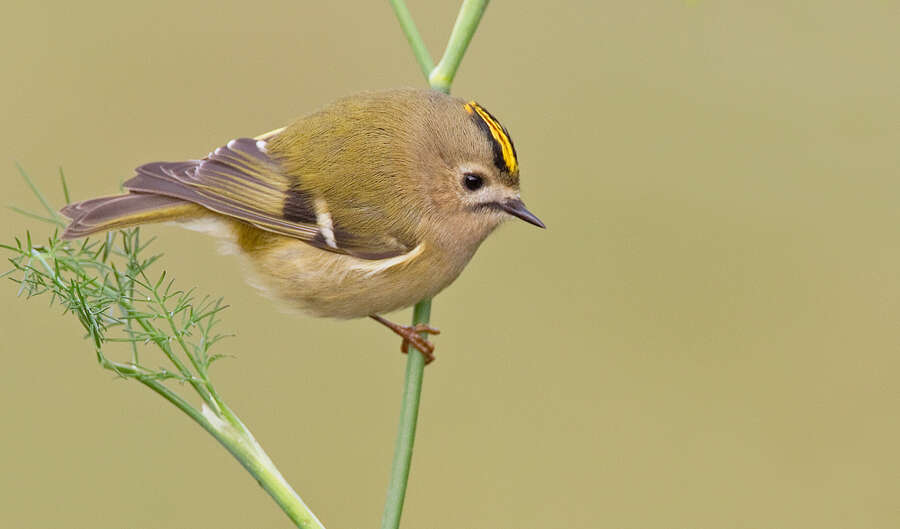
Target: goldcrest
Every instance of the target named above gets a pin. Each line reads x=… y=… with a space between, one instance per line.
x=370 y=205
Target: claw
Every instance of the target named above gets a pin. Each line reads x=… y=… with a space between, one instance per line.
x=410 y=335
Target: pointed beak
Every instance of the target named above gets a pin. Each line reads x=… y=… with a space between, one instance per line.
x=516 y=208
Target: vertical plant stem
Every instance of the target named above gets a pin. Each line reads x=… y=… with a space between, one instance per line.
x=406 y=434
x=439 y=78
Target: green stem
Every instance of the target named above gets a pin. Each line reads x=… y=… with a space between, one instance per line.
x=406 y=434
x=201 y=388
x=441 y=77
x=243 y=446
x=413 y=37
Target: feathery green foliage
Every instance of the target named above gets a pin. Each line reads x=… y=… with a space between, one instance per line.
x=111 y=286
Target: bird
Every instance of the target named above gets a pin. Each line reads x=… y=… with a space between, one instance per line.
x=369 y=205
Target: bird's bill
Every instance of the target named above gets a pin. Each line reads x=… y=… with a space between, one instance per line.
x=516 y=208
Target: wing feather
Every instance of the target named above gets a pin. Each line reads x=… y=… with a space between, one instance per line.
x=241 y=180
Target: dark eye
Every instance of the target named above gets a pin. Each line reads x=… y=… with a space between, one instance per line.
x=473 y=182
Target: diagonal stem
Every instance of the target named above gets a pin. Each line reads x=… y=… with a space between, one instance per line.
x=413 y=37
x=441 y=77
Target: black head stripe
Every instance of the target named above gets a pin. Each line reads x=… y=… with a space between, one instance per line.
x=502 y=145
x=495 y=145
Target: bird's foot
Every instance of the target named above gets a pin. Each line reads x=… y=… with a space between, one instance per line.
x=410 y=335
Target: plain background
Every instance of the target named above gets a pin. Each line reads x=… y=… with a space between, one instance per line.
x=705 y=337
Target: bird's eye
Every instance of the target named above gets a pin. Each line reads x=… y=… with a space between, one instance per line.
x=473 y=182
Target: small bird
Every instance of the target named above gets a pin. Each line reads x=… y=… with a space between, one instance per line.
x=367 y=206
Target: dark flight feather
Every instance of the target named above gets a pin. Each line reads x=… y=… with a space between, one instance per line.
x=239 y=180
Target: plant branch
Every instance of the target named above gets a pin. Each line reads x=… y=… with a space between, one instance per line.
x=243 y=446
x=439 y=78
x=406 y=434
x=413 y=37
x=238 y=440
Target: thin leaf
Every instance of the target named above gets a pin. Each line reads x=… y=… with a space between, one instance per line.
x=35 y=216
x=65 y=187
x=40 y=196
x=107 y=245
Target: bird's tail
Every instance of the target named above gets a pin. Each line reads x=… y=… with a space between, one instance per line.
x=123 y=211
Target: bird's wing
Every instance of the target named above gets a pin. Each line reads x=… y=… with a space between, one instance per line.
x=241 y=180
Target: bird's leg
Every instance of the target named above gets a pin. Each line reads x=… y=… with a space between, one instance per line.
x=410 y=334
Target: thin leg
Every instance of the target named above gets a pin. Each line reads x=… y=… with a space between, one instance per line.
x=410 y=335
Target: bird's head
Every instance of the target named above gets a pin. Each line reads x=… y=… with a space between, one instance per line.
x=477 y=180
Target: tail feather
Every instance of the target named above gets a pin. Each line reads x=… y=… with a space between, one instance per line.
x=122 y=211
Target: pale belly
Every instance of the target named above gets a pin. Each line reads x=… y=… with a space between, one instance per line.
x=324 y=283
x=329 y=284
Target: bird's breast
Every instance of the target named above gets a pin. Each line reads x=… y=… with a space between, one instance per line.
x=335 y=285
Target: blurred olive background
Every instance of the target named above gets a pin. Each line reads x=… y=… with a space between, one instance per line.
x=705 y=337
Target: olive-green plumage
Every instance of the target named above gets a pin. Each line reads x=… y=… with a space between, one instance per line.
x=371 y=204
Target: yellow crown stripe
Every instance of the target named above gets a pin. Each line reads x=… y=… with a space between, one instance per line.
x=498 y=133
x=501 y=137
